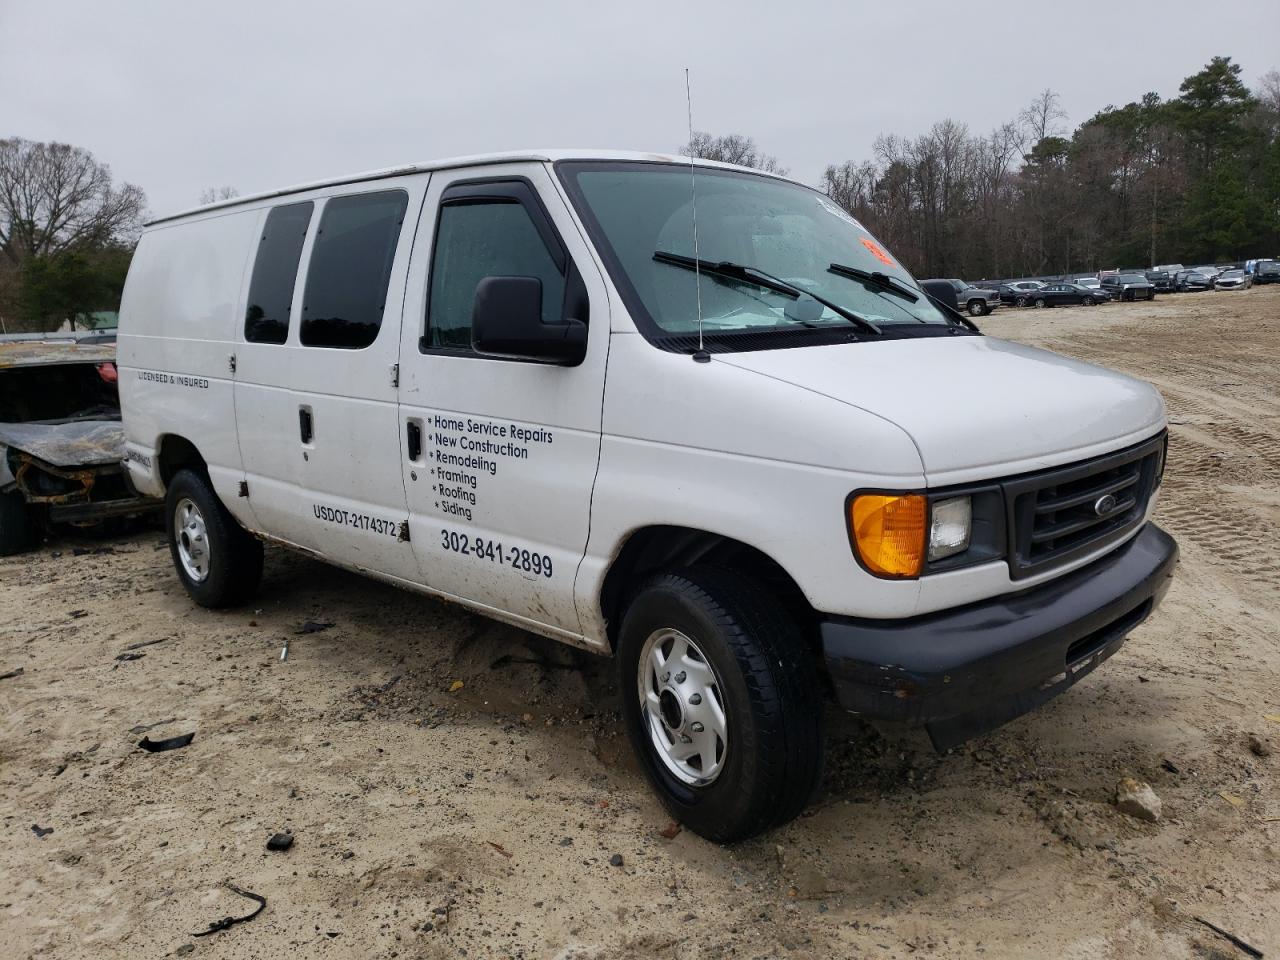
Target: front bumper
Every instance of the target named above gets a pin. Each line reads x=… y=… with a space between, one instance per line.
x=963 y=672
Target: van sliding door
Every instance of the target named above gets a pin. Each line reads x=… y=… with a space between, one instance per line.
x=316 y=390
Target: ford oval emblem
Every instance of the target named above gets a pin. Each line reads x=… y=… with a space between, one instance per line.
x=1105 y=505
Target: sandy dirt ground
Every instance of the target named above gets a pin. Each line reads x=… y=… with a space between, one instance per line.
x=480 y=821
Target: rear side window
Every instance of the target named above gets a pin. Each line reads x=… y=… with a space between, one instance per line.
x=275 y=271
x=350 y=268
x=475 y=239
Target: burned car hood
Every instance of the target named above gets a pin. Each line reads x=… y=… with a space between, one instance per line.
x=78 y=443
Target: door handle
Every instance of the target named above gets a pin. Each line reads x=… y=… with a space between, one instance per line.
x=413 y=439
x=305 y=428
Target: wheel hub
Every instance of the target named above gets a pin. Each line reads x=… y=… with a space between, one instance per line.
x=682 y=707
x=669 y=708
x=192 y=540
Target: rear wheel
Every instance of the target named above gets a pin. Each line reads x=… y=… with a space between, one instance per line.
x=218 y=562
x=1040 y=303
x=722 y=702
x=19 y=531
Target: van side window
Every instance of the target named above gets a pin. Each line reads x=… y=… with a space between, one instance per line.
x=488 y=231
x=350 y=268
x=275 y=271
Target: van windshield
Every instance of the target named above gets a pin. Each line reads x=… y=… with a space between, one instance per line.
x=635 y=210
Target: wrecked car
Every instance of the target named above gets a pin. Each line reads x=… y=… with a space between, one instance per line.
x=61 y=442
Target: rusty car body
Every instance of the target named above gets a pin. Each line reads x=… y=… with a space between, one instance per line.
x=61 y=442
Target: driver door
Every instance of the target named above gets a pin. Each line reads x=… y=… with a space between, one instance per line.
x=500 y=455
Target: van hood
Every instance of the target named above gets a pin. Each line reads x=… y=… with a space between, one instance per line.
x=971 y=403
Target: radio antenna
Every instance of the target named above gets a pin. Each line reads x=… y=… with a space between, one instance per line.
x=701 y=356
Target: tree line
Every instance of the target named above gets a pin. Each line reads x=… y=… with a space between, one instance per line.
x=1193 y=179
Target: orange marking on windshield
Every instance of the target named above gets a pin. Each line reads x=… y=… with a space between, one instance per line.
x=877 y=251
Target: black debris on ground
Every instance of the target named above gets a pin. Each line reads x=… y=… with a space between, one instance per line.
x=159 y=746
x=280 y=841
x=145 y=643
x=227 y=922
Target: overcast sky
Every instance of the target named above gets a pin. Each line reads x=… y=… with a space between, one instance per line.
x=180 y=95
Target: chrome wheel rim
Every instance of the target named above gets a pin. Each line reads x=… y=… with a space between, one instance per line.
x=192 y=539
x=682 y=708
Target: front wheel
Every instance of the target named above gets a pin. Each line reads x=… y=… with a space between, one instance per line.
x=722 y=702
x=977 y=308
x=218 y=562
x=1040 y=303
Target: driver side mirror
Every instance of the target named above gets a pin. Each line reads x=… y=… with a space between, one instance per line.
x=506 y=321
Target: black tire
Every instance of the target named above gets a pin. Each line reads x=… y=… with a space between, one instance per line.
x=19 y=531
x=978 y=308
x=233 y=556
x=770 y=693
x=1041 y=303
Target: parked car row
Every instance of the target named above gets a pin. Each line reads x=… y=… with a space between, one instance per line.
x=1210 y=277
x=979 y=299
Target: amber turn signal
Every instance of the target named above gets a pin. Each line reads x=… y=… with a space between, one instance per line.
x=889 y=532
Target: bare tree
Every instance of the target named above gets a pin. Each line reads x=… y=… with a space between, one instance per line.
x=732 y=148
x=1269 y=90
x=218 y=194
x=1042 y=117
x=852 y=186
x=1268 y=94
x=55 y=197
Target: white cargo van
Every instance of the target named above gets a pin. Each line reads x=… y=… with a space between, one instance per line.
x=758 y=466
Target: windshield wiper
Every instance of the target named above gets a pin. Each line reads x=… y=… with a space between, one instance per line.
x=876 y=279
x=752 y=275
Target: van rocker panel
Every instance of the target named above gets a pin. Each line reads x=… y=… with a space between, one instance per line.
x=964 y=672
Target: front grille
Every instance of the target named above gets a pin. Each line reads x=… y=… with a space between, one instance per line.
x=1058 y=515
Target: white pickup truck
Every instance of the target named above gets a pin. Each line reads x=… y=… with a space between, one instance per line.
x=752 y=460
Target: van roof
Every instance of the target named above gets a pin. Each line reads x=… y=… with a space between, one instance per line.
x=476 y=160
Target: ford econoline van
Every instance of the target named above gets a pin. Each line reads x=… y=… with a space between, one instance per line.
x=743 y=452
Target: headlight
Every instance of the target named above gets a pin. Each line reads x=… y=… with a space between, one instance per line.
x=909 y=535
x=950 y=527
